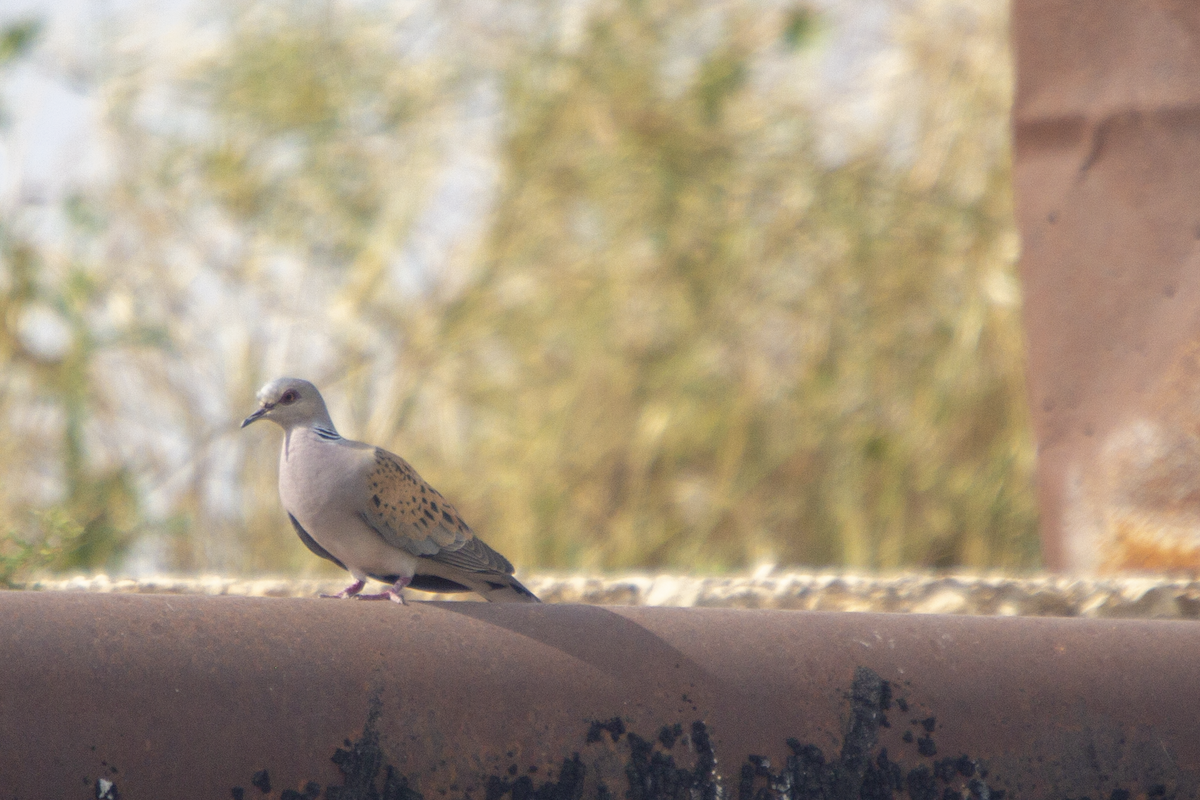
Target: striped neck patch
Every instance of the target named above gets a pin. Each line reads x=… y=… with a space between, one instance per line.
x=328 y=434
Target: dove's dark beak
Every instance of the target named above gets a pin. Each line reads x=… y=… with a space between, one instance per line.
x=255 y=415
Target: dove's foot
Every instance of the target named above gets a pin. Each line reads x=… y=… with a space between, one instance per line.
x=391 y=593
x=350 y=591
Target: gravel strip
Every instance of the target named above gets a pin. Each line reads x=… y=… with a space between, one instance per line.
x=1144 y=597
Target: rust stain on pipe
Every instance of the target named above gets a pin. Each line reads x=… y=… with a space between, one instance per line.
x=153 y=696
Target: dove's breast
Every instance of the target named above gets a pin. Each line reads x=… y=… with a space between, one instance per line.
x=318 y=476
x=323 y=484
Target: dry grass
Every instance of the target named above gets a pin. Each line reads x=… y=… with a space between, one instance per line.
x=679 y=336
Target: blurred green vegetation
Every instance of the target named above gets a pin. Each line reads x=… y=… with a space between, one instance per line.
x=92 y=517
x=696 y=325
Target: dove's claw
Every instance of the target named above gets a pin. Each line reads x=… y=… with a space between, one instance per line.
x=391 y=593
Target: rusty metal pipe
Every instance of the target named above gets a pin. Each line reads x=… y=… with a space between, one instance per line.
x=189 y=696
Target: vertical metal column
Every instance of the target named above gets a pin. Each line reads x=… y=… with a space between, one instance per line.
x=1107 y=176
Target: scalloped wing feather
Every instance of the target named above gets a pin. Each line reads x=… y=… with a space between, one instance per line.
x=474 y=556
x=409 y=513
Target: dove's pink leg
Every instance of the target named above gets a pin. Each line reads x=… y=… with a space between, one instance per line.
x=350 y=591
x=391 y=593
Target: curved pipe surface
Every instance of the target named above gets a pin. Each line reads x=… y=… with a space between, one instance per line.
x=192 y=696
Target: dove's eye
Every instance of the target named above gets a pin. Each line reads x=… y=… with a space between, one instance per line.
x=289 y=397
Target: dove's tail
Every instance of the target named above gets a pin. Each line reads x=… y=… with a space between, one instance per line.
x=505 y=589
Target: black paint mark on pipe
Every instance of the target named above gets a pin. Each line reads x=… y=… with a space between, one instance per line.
x=860 y=771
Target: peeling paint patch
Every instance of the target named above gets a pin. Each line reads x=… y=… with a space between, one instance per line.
x=674 y=765
x=106 y=790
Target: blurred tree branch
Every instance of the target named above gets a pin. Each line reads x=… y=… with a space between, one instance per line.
x=599 y=277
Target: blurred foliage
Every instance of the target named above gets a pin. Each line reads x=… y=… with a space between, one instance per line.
x=686 y=323
x=725 y=349
x=57 y=534
x=54 y=378
x=17 y=38
x=89 y=516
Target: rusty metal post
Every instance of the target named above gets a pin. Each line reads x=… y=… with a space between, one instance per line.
x=1107 y=172
x=181 y=697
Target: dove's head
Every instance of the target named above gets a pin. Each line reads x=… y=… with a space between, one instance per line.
x=290 y=403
